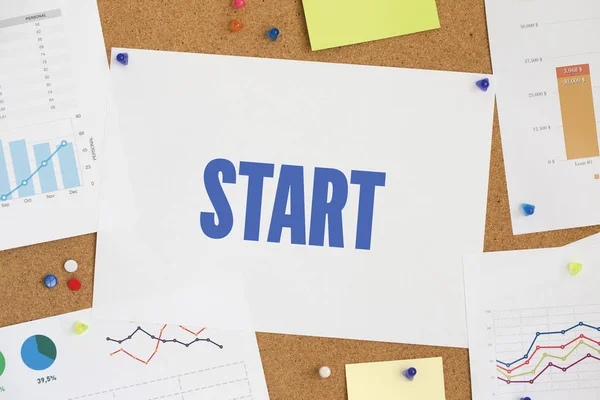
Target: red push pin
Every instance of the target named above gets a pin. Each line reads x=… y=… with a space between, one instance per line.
x=239 y=3
x=74 y=284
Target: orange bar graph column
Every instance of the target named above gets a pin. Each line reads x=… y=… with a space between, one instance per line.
x=577 y=109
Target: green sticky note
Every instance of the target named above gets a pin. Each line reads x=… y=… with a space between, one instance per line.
x=333 y=23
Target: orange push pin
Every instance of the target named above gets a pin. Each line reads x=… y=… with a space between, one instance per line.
x=236 y=25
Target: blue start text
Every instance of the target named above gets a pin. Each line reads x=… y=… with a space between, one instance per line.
x=290 y=188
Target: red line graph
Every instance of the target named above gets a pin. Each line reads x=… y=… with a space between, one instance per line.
x=159 y=339
x=192 y=332
x=158 y=342
x=564 y=369
x=527 y=362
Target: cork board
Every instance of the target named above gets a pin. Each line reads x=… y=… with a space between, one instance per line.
x=201 y=26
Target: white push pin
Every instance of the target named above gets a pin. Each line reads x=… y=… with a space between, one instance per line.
x=324 y=372
x=71 y=265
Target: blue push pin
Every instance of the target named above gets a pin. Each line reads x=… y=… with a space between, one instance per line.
x=483 y=84
x=525 y=398
x=273 y=34
x=123 y=58
x=410 y=373
x=528 y=209
x=50 y=281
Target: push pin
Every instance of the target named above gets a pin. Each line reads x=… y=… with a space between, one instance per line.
x=123 y=58
x=239 y=3
x=324 y=372
x=575 y=268
x=70 y=265
x=80 y=328
x=236 y=25
x=74 y=284
x=410 y=373
x=50 y=281
x=273 y=34
x=525 y=398
x=483 y=84
x=528 y=209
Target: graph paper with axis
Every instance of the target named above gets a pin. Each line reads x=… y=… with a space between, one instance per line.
x=547 y=349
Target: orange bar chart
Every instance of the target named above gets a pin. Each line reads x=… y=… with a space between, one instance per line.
x=577 y=109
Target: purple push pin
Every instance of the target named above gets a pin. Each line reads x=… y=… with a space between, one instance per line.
x=123 y=58
x=483 y=84
x=410 y=373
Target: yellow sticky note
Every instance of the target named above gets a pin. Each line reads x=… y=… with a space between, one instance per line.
x=384 y=380
x=333 y=23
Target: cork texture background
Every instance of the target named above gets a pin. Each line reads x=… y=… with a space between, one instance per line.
x=202 y=26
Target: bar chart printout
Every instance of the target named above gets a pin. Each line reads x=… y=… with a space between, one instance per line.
x=548 y=59
x=37 y=169
x=53 y=96
x=577 y=109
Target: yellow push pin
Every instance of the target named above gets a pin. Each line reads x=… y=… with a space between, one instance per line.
x=80 y=328
x=575 y=268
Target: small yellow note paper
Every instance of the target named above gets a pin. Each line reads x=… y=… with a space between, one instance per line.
x=333 y=23
x=384 y=380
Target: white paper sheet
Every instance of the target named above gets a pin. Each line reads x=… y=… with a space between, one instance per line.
x=534 y=327
x=589 y=241
x=160 y=294
x=546 y=63
x=53 y=91
x=429 y=132
x=46 y=359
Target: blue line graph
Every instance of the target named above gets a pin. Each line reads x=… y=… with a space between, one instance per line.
x=24 y=182
x=538 y=334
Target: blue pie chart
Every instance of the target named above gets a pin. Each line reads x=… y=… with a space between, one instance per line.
x=38 y=352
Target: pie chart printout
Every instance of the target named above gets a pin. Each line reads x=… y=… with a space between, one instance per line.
x=2 y=364
x=38 y=352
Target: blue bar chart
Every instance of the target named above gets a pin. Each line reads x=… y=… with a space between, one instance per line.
x=68 y=165
x=28 y=169
x=4 y=182
x=20 y=161
x=47 y=174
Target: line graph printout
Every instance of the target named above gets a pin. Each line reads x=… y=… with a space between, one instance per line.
x=53 y=91
x=534 y=329
x=160 y=339
x=564 y=355
x=46 y=359
x=547 y=62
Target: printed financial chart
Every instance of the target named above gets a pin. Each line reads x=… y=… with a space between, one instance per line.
x=45 y=150
x=548 y=68
x=127 y=361
x=545 y=349
x=53 y=91
x=31 y=165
